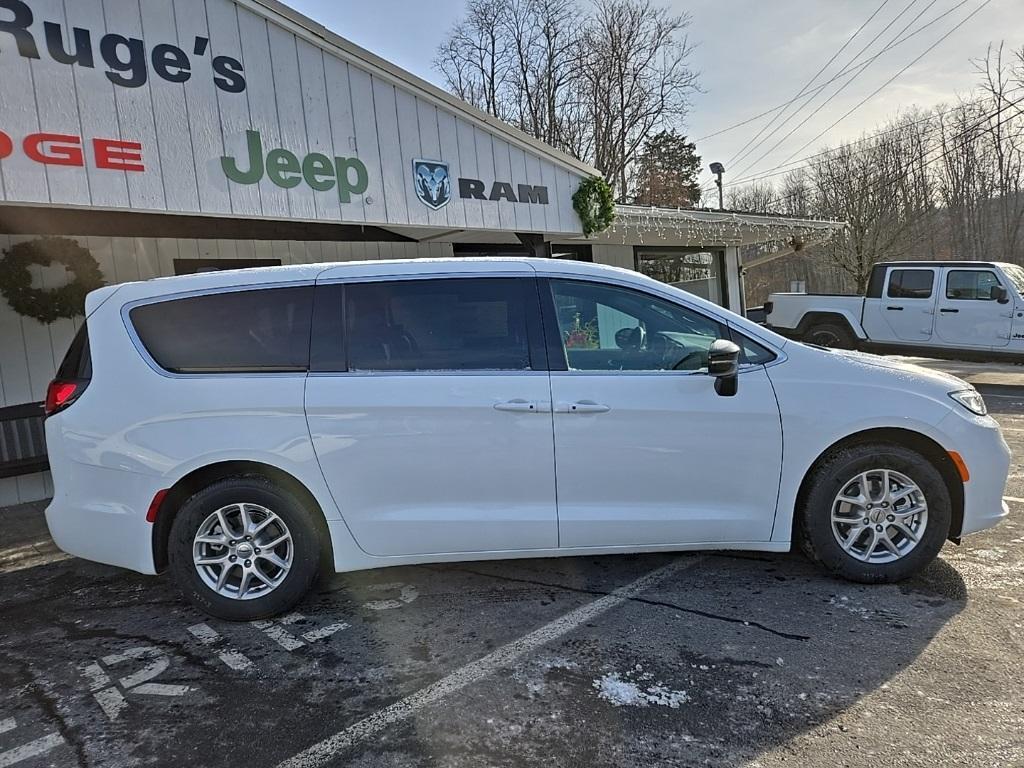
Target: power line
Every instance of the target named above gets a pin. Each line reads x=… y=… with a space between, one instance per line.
x=841 y=88
x=850 y=68
x=818 y=74
x=783 y=168
x=958 y=140
x=884 y=85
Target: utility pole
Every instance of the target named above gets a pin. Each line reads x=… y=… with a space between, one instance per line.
x=718 y=169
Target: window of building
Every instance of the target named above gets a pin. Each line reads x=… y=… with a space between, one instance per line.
x=700 y=272
x=911 y=283
x=607 y=328
x=259 y=331
x=457 y=324
x=971 y=284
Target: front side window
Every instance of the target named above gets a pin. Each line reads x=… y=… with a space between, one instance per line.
x=455 y=324
x=608 y=328
x=971 y=284
x=911 y=283
x=259 y=331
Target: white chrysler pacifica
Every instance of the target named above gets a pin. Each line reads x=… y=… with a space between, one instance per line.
x=247 y=429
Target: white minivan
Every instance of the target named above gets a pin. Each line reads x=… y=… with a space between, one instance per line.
x=247 y=429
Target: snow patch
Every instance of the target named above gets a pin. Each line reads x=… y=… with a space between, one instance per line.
x=628 y=692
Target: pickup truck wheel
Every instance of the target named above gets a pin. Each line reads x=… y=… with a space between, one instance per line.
x=875 y=513
x=832 y=335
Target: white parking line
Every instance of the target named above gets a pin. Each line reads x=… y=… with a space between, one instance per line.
x=324 y=751
x=32 y=749
x=7 y=724
x=1013 y=498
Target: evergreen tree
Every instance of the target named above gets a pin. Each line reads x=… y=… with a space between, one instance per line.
x=667 y=172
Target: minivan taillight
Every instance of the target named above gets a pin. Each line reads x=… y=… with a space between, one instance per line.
x=73 y=376
x=60 y=394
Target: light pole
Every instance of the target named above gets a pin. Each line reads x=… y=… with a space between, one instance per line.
x=718 y=169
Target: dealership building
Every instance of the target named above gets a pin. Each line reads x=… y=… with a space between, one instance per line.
x=176 y=136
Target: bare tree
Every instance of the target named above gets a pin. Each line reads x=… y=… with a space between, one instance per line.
x=595 y=84
x=635 y=78
x=756 y=197
x=474 y=58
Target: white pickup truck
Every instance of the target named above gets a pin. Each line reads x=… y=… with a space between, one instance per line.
x=939 y=308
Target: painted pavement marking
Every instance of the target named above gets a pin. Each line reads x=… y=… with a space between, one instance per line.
x=32 y=749
x=325 y=751
x=109 y=695
x=207 y=635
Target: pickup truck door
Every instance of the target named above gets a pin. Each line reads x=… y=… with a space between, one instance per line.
x=968 y=315
x=906 y=309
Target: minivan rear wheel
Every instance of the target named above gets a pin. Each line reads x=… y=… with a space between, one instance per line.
x=244 y=548
x=875 y=513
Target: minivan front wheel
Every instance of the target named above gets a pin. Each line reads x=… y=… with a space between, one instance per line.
x=875 y=513
x=243 y=549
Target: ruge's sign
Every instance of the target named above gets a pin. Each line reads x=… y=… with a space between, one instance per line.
x=127 y=59
x=212 y=107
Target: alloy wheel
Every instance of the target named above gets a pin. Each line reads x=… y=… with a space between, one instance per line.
x=243 y=551
x=879 y=516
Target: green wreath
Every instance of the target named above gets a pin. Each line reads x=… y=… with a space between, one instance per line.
x=595 y=205
x=48 y=305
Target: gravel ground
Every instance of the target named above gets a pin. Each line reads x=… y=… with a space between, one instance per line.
x=715 y=659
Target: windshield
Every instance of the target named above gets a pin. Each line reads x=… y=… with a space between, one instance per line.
x=1016 y=274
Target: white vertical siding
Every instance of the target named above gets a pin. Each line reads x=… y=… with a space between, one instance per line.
x=299 y=95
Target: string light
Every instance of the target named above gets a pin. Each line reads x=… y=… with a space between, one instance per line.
x=708 y=228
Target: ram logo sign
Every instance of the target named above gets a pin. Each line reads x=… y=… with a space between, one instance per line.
x=433 y=187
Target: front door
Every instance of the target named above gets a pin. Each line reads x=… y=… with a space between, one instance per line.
x=968 y=315
x=428 y=407
x=647 y=453
x=906 y=310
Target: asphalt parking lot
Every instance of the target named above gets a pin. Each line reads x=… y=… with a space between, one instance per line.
x=713 y=659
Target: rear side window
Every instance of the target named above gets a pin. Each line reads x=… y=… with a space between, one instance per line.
x=911 y=283
x=454 y=324
x=261 y=331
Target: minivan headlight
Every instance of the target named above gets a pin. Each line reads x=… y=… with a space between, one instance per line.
x=971 y=400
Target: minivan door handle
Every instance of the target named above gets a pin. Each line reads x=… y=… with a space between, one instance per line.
x=895 y=309
x=949 y=311
x=518 y=406
x=583 y=406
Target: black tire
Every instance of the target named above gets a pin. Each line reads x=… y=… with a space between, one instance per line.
x=306 y=542
x=833 y=474
x=834 y=335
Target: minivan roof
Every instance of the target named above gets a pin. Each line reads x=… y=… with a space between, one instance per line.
x=308 y=273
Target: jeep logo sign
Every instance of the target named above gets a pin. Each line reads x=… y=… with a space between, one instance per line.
x=284 y=169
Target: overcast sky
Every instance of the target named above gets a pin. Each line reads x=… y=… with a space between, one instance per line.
x=753 y=55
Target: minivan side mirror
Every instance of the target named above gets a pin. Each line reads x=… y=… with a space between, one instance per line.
x=724 y=366
x=999 y=293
